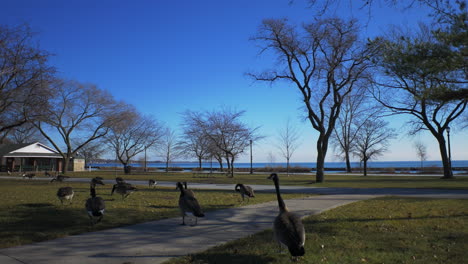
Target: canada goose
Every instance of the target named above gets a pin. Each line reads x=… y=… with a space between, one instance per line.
x=119 y=180
x=29 y=175
x=244 y=191
x=125 y=189
x=288 y=227
x=188 y=191
x=188 y=204
x=152 y=183
x=65 y=193
x=47 y=174
x=60 y=178
x=95 y=207
x=96 y=181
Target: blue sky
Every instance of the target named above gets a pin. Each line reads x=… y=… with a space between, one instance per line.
x=168 y=56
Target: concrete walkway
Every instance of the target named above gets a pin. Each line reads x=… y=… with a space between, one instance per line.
x=158 y=241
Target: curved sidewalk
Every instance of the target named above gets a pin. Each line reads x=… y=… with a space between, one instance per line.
x=158 y=241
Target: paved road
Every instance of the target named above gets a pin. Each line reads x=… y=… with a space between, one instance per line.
x=158 y=241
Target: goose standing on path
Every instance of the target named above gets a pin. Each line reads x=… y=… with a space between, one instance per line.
x=288 y=227
x=244 y=191
x=188 y=204
x=65 y=193
x=95 y=206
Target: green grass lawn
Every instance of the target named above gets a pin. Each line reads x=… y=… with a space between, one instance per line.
x=331 y=180
x=30 y=210
x=385 y=230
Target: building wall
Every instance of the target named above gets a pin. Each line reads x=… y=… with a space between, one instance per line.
x=78 y=165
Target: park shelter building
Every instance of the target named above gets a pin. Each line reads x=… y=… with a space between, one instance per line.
x=33 y=157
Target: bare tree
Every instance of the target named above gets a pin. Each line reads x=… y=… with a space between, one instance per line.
x=421 y=152
x=25 y=133
x=226 y=133
x=288 y=139
x=92 y=151
x=373 y=140
x=271 y=158
x=24 y=75
x=324 y=62
x=357 y=108
x=78 y=114
x=194 y=143
x=132 y=135
x=169 y=148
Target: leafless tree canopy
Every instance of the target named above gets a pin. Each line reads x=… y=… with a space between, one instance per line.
x=194 y=143
x=357 y=108
x=26 y=133
x=421 y=151
x=169 y=148
x=323 y=60
x=372 y=141
x=288 y=142
x=132 y=134
x=227 y=136
x=24 y=75
x=78 y=114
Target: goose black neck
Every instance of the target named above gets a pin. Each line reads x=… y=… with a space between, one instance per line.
x=281 y=204
x=181 y=188
x=92 y=191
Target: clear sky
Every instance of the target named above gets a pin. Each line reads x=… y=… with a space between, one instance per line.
x=168 y=56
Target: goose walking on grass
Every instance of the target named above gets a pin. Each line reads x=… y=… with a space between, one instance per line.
x=188 y=204
x=124 y=189
x=288 y=228
x=65 y=193
x=95 y=206
x=152 y=183
x=119 y=180
x=244 y=190
x=60 y=178
x=96 y=181
x=29 y=175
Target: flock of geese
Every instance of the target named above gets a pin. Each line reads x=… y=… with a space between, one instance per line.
x=287 y=226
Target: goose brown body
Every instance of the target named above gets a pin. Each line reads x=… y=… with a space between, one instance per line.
x=288 y=227
x=65 y=193
x=188 y=204
x=244 y=190
x=95 y=207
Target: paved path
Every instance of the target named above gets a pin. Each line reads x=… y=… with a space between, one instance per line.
x=158 y=241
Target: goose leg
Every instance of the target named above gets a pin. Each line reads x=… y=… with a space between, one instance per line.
x=183 y=220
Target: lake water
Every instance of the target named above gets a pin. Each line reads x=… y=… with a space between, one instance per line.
x=331 y=165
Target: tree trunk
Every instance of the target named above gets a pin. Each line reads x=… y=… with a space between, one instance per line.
x=445 y=160
x=200 y=163
x=348 y=162
x=66 y=163
x=232 y=167
x=287 y=167
x=322 y=144
x=320 y=167
x=126 y=168
x=365 y=166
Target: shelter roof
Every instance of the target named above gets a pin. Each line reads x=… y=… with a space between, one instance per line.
x=28 y=150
